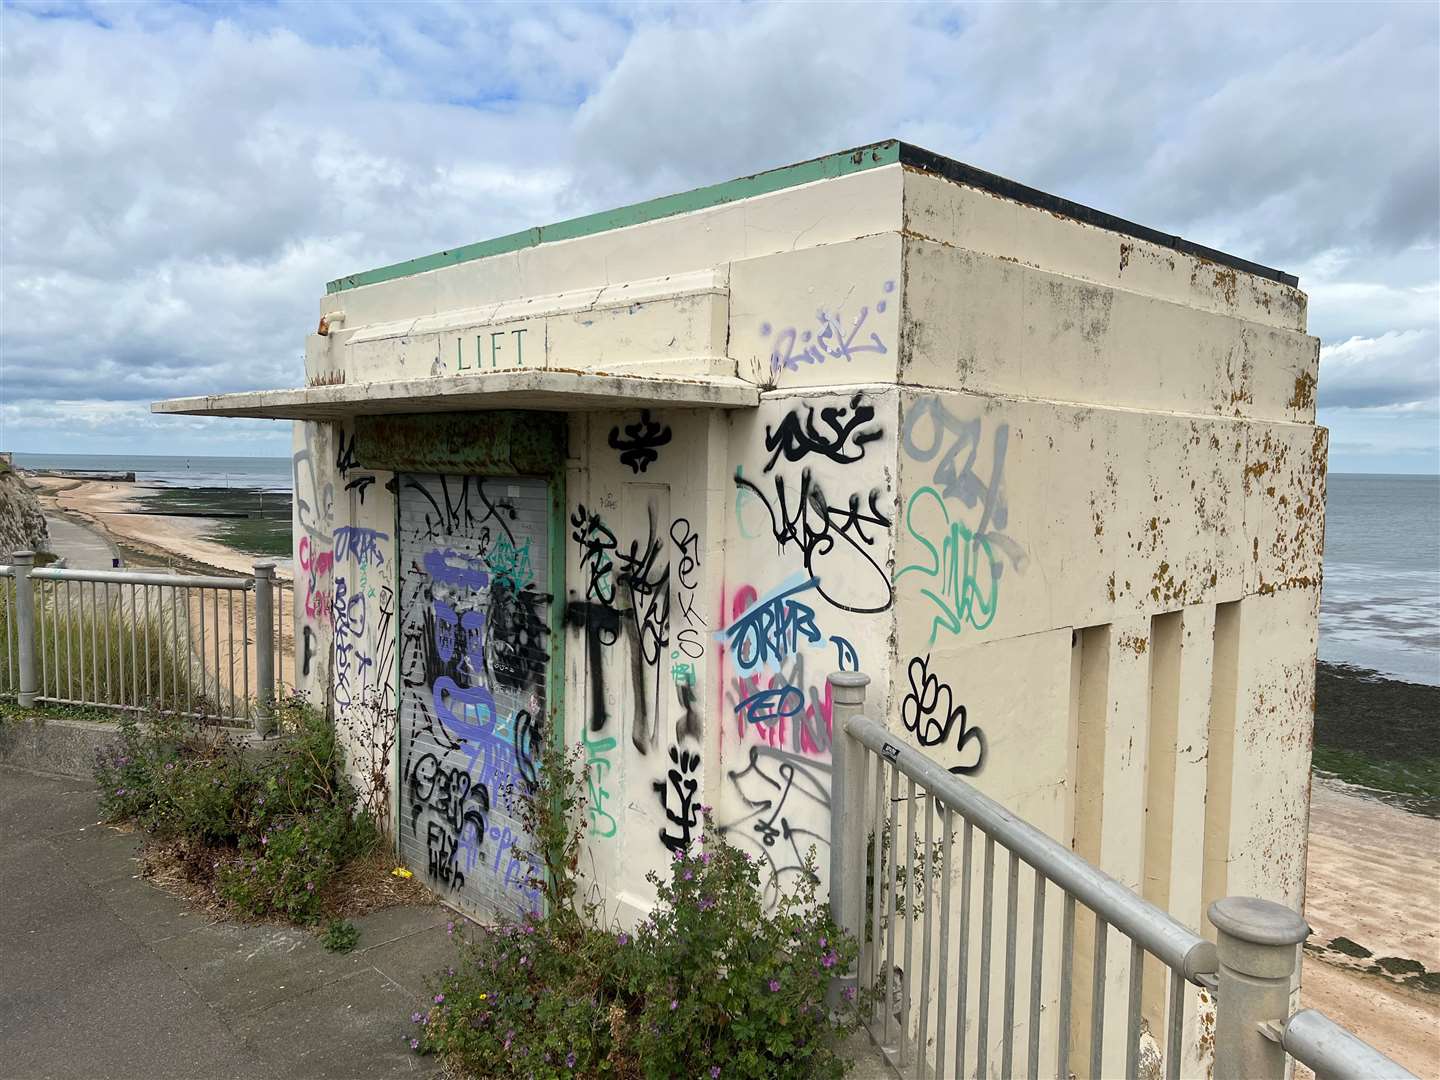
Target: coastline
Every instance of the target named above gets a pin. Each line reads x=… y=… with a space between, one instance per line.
x=115 y=511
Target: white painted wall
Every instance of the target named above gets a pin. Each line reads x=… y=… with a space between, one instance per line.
x=1060 y=492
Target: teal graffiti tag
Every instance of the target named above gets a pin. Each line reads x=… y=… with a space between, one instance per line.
x=597 y=761
x=964 y=566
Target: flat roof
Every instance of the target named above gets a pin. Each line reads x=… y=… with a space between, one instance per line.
x=860 y=159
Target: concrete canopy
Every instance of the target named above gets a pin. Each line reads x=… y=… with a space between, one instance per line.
x=516 y=389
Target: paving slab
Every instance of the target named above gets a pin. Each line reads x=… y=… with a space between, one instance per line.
x=357 y=1027
x=104 y=975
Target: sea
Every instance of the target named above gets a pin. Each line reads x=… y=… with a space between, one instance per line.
x=1380 y=607
x=253 y=473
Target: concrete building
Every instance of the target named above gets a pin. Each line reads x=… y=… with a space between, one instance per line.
x=639 y=481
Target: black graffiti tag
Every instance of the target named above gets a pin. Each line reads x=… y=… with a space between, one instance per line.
x=641 y=441
x=930 y=713
x=819 y=528
x=677 y=798
x=796 y=439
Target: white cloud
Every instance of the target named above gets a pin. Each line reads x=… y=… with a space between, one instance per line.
x=179 y=181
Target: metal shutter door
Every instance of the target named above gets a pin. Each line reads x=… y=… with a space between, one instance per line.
x=474 y=649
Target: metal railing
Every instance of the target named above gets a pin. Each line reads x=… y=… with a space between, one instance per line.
x=884 y=880
x=207 y=648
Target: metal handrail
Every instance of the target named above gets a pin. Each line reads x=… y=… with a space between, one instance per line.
x=132 y=577
x=1313 y=1039
x=1176 y=945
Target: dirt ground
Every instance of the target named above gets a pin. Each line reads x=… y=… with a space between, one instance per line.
x=1374 y=878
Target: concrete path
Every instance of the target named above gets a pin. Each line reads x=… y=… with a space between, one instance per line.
x=104 y=975
x=82 y=548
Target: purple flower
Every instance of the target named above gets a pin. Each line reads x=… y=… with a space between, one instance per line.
x=264 y=838
x=822 y=943
x=119 y=791
x=674 y=1004
x=623 y=939
x=414 y=1044
x=774 y=986
x=439 y=999
x=679 y=856
x=705 y=858
x=714 y=1071
x=850 y=993
x=689 y=875
x=508 y=1036
x=415 y=1018
x=169 y=766
x=829 y=959
x=570 y=1059
x=706 y=903
x=309 y=886
x=449 y=927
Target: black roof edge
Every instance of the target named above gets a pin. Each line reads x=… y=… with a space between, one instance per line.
x=917 y=157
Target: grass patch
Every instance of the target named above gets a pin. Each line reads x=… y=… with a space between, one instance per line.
x=107 y=645
x=264 y=530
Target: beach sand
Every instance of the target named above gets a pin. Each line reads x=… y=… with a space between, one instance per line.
x=1374 y=877
x=111 y=507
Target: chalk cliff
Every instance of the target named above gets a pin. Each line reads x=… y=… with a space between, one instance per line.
x=22 y=524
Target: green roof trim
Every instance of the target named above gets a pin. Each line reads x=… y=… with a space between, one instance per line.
x=806 y=172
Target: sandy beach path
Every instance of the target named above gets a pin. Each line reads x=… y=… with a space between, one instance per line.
x=1374 y=877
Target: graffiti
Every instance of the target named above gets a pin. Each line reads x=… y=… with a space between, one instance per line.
x=516 y=652
x=642 y=440
x=770 y=629
x=689 y=639
x=596 y=544
x=462 y=508
x=510 y=565
x=363 y=545
x=307 y=651
x=348 y=618
x=461 y=806
x=929 y=712
x=318 y=566
x=597 y=766
x=834 y=542
x=359 y=485
x=770 y=696
x=601 y=627
x=529 y=740
x=781 y=793
x=796 y=440
x=831 y=340
x=958 y=480
x=688 y=726
x=647 y=629
x=964 y=565
x=677 y=798
x=345 y=458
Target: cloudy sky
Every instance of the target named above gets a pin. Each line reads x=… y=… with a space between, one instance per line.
x=179 y=181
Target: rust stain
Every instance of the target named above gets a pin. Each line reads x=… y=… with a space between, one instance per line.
x=1125 y=250
x=1304 y=396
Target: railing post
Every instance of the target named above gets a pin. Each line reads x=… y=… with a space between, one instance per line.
x=24 y=562
x=847 y=817
x=1257 y=947
x=264 y=646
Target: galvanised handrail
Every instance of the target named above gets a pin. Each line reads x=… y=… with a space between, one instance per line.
x=1250 y=974
x=1332 y=1053
x=184 y=644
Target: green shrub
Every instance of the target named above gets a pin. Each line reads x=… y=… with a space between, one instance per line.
x=341 y=935
x=274 y=830
x=711 y=984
